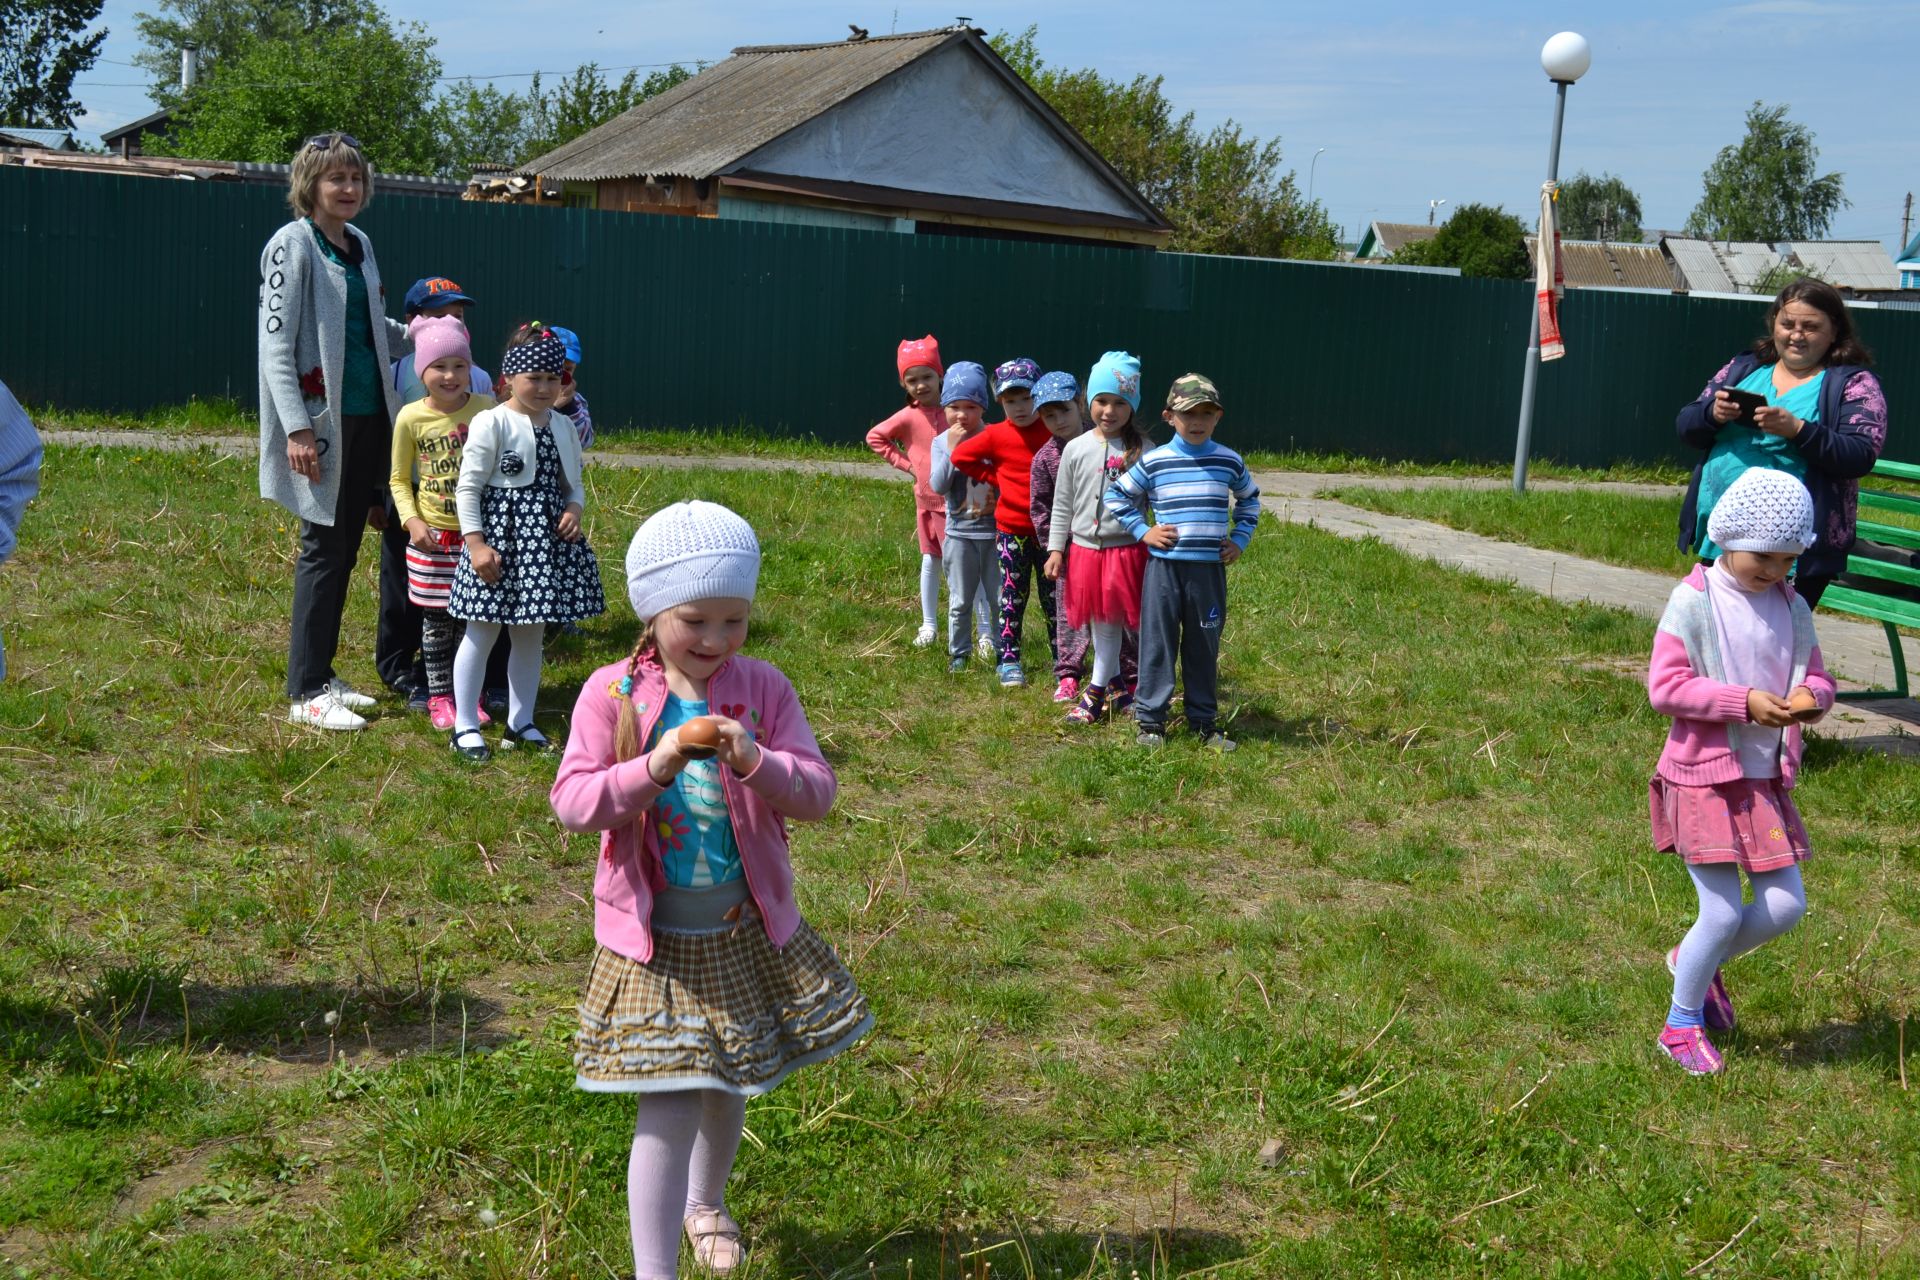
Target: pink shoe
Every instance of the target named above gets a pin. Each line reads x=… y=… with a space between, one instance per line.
x=440 y=710
x=1690 y=1047
x=1718 y=1010
x=1067 y=690
x=485 y=719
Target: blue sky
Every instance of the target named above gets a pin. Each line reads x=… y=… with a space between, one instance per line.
x=1411 y=104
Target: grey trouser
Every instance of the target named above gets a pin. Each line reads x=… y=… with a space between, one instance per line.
x=968 y=561
x=1184 y=603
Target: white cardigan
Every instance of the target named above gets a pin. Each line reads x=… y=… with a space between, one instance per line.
x=498 y=434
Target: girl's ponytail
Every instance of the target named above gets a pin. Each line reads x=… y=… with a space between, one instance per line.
x=1133 y=440
x=626 y=735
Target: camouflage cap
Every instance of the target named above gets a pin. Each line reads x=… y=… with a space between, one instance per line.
x=1190 y=391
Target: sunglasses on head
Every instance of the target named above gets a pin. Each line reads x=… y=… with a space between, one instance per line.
x=328 y=141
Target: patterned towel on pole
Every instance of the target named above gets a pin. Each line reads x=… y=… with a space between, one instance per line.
x=1549 y=276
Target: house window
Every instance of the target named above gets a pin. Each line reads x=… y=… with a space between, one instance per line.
x=1910 y=279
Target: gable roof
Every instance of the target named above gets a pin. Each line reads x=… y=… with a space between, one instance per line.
x=714 y=123
x=1384 y=238
x=1611 y=264
x=1737 y=266
x=51 y=139
x=1912 y=252
x=153 y=123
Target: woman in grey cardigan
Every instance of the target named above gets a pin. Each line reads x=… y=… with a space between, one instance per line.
x=326 y=407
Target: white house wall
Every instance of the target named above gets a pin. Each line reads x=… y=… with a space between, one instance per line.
x=947 y=125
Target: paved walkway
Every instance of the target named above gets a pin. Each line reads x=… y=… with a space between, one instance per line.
x=1855 y=651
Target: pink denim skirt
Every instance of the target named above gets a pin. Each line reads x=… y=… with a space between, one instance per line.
x=1749 y=821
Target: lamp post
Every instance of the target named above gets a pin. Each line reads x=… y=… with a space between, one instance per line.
x=1565 y=58
x=1432 y=206
x=1310 y=168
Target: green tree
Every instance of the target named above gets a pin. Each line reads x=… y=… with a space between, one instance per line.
x=585 y=100
x=223 y=29
x=1480 y=239
x=1765 y=187
x=1602 y=208
x=42 y=51
x=1222 y=191
x=364 y=77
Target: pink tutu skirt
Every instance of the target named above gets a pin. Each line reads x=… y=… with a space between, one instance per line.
x=1104 y=585
x=1749 y=821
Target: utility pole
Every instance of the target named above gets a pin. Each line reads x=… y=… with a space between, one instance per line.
x=1906 y=223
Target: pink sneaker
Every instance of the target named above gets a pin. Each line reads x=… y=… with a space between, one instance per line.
x=1067 y=690
x=1718 y=1010
x=440 y=710
x=1690 y=1047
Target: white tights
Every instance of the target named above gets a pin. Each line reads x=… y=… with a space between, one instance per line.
x=523 y=672
x=930 y=589
x=1107 y=639
x=683 y=1149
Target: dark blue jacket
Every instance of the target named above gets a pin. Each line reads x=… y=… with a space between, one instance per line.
x=1838 y=449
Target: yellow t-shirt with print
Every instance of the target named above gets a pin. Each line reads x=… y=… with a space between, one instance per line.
x=426 y=460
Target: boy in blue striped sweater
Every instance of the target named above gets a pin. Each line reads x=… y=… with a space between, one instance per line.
x=1205 y=506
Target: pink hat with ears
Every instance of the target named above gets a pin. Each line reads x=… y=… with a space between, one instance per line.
x=919 y=351
x=436 y=337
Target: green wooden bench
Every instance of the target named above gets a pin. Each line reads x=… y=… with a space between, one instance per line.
x=1881 y=581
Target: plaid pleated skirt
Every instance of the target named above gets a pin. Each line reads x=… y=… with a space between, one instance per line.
x=719 y=1008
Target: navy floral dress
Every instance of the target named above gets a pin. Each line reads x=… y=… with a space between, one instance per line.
x=543 y=578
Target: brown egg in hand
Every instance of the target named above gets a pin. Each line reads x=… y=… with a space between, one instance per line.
x=699 y=738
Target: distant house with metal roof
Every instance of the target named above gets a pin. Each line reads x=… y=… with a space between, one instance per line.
x=1612 y=264
x=1745 y=266
x=1384 y=239
x=274 y=175
x=37 y=139
x=927 y=131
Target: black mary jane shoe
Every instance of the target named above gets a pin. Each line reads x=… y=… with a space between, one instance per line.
x=526 y=737
x=470 y=746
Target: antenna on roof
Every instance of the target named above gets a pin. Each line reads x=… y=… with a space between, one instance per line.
x=963 y=22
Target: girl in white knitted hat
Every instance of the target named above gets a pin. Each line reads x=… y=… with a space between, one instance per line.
x=707 y=987
x=1737 y=668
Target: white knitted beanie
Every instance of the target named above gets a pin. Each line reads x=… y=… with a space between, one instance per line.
x=1764 y=510
x=690 y=551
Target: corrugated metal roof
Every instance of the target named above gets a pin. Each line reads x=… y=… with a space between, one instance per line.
x=696 y=129
x=1391 y=237
x=1848 y=264
x=1607 y=264
x=52 y=139
x=1707 y=266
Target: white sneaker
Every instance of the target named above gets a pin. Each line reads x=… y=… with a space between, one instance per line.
x=324 y=711
x=985 y=648
x=343 y=693
x=924 y=636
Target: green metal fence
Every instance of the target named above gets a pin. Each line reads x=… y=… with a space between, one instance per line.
x=128 y=293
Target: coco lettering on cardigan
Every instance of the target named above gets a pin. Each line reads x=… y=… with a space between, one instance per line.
x=303 y=346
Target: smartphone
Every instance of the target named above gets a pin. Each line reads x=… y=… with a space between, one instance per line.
x=1748 y=402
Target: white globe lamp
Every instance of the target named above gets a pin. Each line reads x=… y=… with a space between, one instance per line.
x=1566 y=57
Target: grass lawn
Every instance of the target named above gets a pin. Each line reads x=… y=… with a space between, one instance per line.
x=276 y=1003
x=222 y=417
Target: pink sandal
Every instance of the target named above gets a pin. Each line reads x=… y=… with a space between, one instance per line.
x=717 y=1245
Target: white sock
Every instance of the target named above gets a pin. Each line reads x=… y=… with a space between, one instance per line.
x=929 y=589
x=470 y=671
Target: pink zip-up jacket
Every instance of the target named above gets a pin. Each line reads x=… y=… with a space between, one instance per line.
x=593 y=792
x=1683 y=682
x=905 y=441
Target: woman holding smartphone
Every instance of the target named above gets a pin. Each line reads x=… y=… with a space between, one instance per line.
x=1801 y=400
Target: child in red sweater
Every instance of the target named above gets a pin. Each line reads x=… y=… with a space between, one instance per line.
x=1002 y=456
x=903 y=441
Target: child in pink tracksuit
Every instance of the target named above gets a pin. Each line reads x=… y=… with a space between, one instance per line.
x=1737 y=667
x=904 y=441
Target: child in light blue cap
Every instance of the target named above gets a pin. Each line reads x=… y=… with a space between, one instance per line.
x=572 y=403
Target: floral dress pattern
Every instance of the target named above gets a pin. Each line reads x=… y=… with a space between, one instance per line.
x=543 y=578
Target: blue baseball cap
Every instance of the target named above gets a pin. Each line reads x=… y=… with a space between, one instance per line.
x=434 y=291
x=572 y=341
x=1017 y=372
x=1052 y=388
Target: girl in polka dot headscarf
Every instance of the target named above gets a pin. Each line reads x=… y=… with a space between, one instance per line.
x=525 y=562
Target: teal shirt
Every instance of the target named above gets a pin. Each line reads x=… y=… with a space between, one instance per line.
x=697 y=847
x=362 y=392
x=1737 y=448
